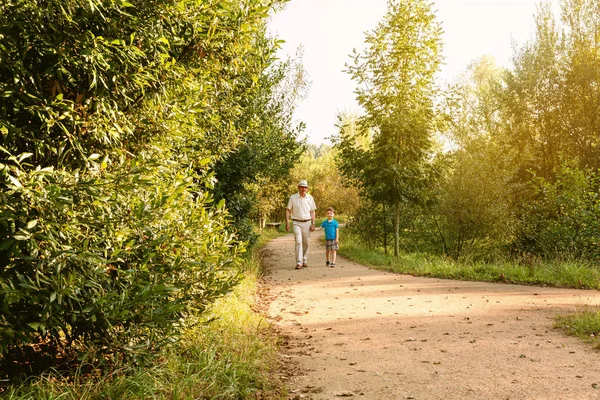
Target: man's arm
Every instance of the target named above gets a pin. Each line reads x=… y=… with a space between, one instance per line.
x=287 y=219
x=312 y=220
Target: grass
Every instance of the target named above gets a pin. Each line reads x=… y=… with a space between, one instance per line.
x=584 y=324
x=571 y=274
x=233 y=357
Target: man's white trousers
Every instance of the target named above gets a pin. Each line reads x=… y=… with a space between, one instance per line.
x=301 y=237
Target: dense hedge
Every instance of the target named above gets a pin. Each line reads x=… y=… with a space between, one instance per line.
x=112 y=116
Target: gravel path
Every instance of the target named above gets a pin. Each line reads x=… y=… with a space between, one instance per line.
x=355 y=332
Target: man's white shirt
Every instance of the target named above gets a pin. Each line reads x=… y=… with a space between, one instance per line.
x=301 y=206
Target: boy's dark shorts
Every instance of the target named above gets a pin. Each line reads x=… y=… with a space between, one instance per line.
x=331 y=245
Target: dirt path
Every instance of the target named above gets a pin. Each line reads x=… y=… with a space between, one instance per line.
x=355 y=332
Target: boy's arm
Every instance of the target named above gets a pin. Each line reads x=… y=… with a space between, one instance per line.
x=337 y=235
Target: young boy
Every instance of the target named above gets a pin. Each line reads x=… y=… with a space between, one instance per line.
x=332 y=237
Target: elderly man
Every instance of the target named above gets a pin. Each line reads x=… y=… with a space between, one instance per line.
x=301 y=208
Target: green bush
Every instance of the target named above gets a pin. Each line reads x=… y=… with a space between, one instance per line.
x=563 y=219
x=112 y=115
x=106 y=262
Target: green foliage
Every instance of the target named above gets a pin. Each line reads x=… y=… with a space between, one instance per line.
x=395 y=87
x=234 y=356
x=250 y=177
x=112 y=115
x=81 y=78
x=548 y=98
x=519 y=173
x=70 y=70
x=472 y=211
x=327 y=186
x=107 y=262
x=373 y=223
x=512 y=133
x=562 y=220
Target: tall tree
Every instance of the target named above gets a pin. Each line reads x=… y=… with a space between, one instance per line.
x=471 y=208
x=395 y=77
x=581 y=98
x=268 y=149
x=531 y=101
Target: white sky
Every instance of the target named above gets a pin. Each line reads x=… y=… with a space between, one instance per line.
x=328 y=30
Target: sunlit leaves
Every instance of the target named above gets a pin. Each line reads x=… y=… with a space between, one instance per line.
x=112 y=115
x=395 y=87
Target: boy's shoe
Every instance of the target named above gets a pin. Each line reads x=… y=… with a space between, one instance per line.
x=332 y=265
x=327 y=263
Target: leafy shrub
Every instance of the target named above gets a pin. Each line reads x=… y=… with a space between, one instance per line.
x=472 y=212
x=112 y=116
x=563 y=220
x=106 y=262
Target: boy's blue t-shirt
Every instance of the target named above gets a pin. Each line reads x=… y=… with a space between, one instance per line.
x=329 y=228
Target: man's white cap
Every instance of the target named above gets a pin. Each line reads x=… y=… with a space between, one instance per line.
x=303 y=183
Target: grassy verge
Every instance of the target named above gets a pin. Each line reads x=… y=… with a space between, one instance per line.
x=559 y=274
x=584 y=323
x=233 y=357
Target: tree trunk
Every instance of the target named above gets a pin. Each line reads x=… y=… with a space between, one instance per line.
x=397 y=230
x=384 y=230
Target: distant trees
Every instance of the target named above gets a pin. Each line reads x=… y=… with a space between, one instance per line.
x=327 y=185
x=250 y=177
x=472 y=200
x=551 y=108
x=519 y=173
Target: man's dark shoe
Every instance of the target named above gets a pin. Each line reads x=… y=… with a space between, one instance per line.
x=298 y=266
